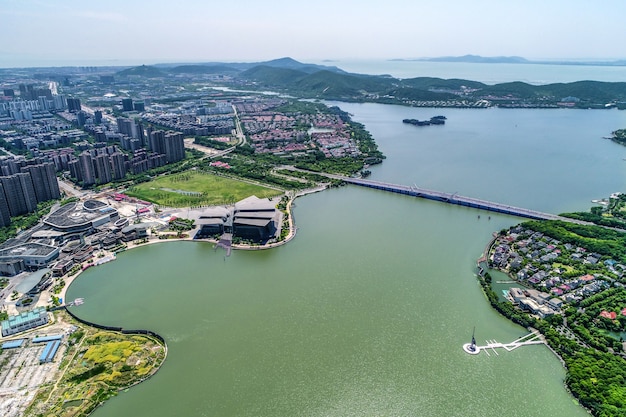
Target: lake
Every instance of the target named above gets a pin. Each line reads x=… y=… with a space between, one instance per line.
x=366 y=310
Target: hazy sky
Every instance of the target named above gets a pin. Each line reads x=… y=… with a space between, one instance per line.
x=56 y=32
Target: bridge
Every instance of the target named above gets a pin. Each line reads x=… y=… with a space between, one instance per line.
x=455 y=199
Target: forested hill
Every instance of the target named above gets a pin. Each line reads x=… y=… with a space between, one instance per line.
x=289 y=76
x=326 y=84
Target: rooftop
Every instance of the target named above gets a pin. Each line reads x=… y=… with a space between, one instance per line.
x=27 y=249
x=78 y=215
x=24 y=317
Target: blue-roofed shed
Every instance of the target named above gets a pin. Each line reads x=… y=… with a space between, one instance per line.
x=49 y=351
x=42 y=339
x=12 y=344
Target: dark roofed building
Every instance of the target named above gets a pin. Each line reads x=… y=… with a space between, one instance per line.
x=256 y=219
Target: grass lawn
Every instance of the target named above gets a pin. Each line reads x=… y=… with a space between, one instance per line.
x=197 y=189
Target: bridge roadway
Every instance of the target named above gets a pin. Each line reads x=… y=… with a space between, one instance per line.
x=455 y=199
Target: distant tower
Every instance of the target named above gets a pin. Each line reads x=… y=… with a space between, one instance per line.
x=157 y=141
x=127 y=104
x=174 y=147
x=81 y=118
x=73 y=105
x=87 y=168
x=5 y=214
x=44 y=181
x=19 y=193
x=102 y=164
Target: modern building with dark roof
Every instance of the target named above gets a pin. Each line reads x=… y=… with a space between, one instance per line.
x=214 y=221
x=255 y=219
x=81 y=216
x=34 y=255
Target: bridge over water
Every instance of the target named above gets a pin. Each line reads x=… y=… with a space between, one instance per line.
x=456 y=199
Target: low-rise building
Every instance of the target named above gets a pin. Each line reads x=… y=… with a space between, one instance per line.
x=34 y=255
x=24 y=321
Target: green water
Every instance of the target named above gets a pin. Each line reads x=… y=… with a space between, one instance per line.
x=365 y=312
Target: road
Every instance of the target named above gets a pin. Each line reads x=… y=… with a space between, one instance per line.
x=69 y=189
x=241 y=138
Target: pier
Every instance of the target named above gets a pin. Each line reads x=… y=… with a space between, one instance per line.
x=533 y=338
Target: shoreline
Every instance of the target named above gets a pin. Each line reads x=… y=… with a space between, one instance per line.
x=292 y=234
x=481 y=273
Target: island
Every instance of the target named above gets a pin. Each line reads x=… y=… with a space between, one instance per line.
x=435 y=120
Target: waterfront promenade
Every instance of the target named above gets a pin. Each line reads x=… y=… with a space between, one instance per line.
x=533 y=338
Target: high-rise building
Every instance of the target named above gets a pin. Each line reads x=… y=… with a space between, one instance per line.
x=102 y=165
x=44 y=181
x=101 y=137
x=118 y=162
x=8 y=92
x=157 y=141
x=174 y=147
x=5 y=214
x=23 y=93
x=73 y=105
x=75 y=170
x=81 y=118
x=87 y=169
x=141 y=135
x=127 y=104
x=125 y=126
x=60 y=103
x=97 y=117
x=9 y=166
x=19 y=193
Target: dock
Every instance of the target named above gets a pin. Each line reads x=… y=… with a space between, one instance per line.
x=533 y=338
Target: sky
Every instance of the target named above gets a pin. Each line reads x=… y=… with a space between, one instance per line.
x=132 y=32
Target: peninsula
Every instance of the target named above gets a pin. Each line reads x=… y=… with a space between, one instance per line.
x=569 y=282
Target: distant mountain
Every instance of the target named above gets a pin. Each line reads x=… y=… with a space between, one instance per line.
x=203 y=69
x=286 y=62
x=330 y=85
x=142 y=71
x=293 y=64
x=479 y=59
x=274 y=76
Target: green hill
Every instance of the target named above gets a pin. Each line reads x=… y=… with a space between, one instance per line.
x=142 y=71
x=203 y=69
x=273 y=76
x=329 y=84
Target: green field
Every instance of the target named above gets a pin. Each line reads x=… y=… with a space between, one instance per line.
x=189 y=189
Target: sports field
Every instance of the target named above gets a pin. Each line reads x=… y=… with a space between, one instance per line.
x=191 y=189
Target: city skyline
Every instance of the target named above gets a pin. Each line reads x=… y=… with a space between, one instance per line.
x=68 y=32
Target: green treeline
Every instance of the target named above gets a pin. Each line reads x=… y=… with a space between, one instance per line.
x=606 y=242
